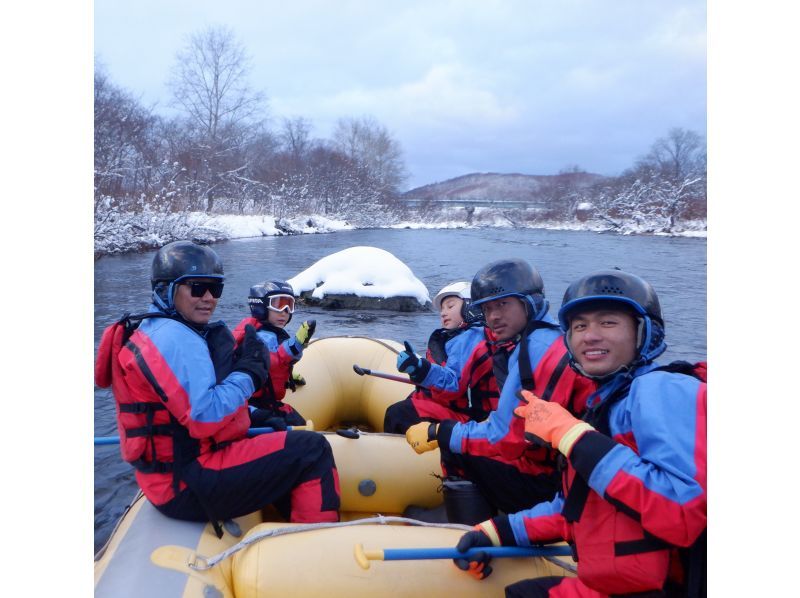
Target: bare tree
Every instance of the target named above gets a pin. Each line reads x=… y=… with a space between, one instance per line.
x=369 y=144
x=124 y=143
x=680 y=154
x=295 y=137
x=210 y=84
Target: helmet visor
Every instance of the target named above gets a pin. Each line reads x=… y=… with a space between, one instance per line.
x=281 y=303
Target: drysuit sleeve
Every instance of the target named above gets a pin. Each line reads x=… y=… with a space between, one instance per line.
x=482 y=438
x=453 y=376
x=176 y=364
x=540 y=524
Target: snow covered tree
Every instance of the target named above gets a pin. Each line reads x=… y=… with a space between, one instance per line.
x=666 y=185
x=370 y=145
x=679 y=154
x=124 y=143
x=295 y=136
x=210 y=84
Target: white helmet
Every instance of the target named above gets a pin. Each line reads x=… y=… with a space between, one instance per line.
x=454 y=289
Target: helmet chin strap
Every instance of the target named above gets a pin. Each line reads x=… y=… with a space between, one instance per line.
x=648 y=333
x=168 y=305
x=599 y=378
x=642 y=335
x=538 y=312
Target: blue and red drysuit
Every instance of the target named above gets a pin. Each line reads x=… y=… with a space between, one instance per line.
x=493 y=453
x=182 y=417
x=631 y=496
x=458 y=385
x=284 y=352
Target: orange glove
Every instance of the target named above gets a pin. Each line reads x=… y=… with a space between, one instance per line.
x=549 y=423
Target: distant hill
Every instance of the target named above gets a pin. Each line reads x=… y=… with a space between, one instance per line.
x=495 y=187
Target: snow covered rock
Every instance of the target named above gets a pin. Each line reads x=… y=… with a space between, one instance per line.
x=361 y=278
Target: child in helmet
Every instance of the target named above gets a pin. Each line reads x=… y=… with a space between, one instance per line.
x=272 y=306
x=460 y=402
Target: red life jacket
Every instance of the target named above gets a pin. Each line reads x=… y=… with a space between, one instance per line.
x=136 y=419
x=553 y=380
x=151 y=439
x=280 y=366
x=607 y=533
x=482 y=391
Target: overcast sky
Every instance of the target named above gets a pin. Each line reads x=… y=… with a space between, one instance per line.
x=465 y=86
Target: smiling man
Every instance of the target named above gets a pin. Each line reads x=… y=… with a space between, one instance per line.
x=526 y=352
x=603 y=340
x=633 y=498
x=181 y=395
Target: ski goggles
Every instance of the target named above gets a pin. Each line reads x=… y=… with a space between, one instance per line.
x=198 y=289
x=281 y=303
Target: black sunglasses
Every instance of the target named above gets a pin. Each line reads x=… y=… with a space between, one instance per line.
x=198 y=289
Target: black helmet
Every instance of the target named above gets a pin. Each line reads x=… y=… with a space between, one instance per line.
x=510 y=278
x=259 y=298
x=626 y=289
x=181 y=260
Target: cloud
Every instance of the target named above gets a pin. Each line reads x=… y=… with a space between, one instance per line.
x=505 y=85
x=447 y=95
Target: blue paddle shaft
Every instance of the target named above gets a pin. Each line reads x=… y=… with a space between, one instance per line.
x=415 y=554
x=104 y=440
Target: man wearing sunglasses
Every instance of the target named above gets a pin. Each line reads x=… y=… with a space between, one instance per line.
x=181 y=392
x=271 y=307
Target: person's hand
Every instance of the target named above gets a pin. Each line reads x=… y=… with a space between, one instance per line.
x=549 y=424
x=409 y=363
x=252 y=357
x=477 y=565
x=305 y=332
x=263 y=418
x=422 y=437
x=295 y=381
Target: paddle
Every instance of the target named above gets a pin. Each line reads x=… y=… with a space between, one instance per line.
x=362 y=371
x=106 y=440
x=363 y=557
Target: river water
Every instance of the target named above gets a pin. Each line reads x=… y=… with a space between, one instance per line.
x=676 y=267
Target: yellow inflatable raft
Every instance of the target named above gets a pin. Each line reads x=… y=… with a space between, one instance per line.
x=151 y=555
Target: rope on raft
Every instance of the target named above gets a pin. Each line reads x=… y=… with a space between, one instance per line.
x=201 y=563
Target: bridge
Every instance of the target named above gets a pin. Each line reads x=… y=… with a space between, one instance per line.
x=501 y=204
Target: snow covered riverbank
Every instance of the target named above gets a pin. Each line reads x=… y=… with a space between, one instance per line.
x=123 y=232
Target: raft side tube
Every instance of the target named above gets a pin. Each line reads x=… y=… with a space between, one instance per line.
x=381 y=474
x=334 y=393
x=273 y=566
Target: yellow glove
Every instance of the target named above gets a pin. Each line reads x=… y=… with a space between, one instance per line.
x=422 y=437
x=305 y=332
x=549 y=424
